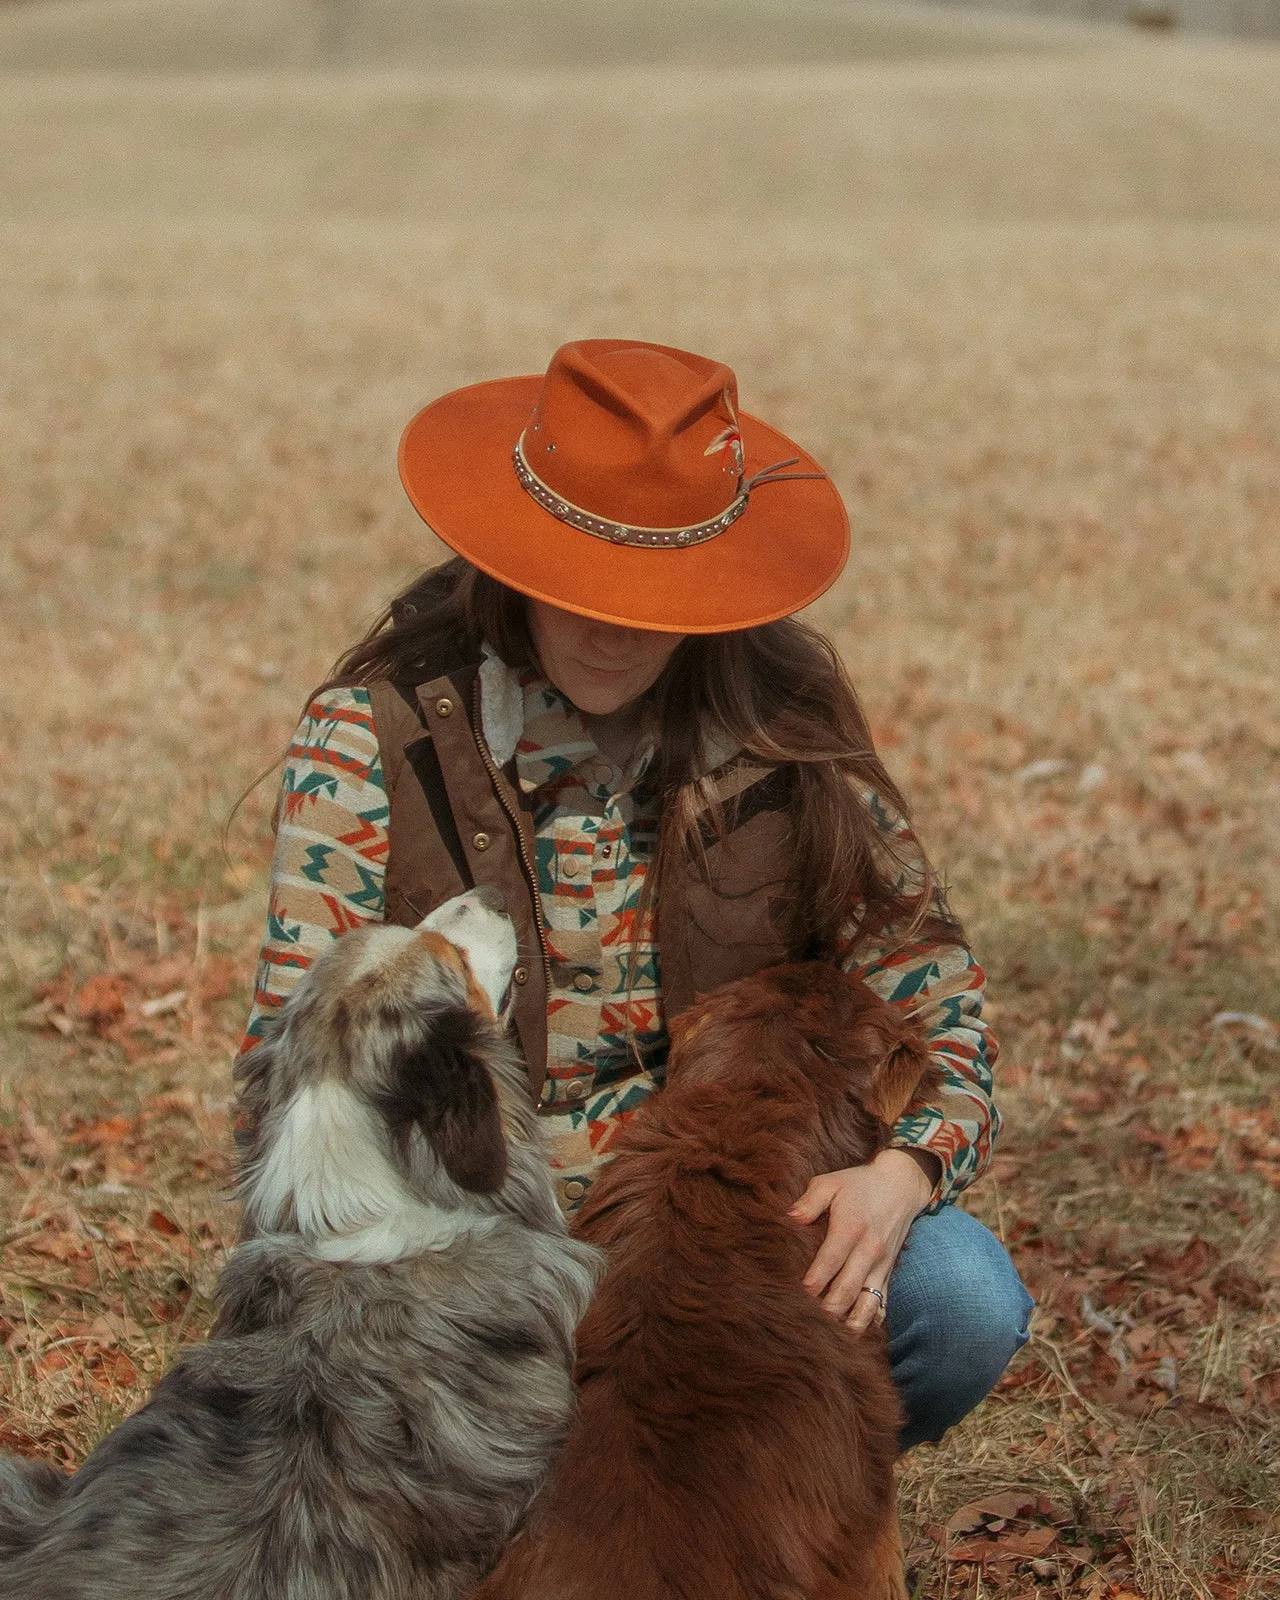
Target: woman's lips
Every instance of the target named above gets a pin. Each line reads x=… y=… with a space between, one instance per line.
x=607 y=672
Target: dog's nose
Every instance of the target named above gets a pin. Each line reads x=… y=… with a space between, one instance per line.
x=490 y=898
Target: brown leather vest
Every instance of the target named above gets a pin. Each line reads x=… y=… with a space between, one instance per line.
x=458 y=821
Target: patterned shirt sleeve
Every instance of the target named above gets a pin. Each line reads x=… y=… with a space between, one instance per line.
x=329 y=868
x=941 y=986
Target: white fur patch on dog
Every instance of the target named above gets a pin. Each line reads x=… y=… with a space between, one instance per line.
x=327 y=1164
x=486 y=937
x=414 y=1231
x=376 y=950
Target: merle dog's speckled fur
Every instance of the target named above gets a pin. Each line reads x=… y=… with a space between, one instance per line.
x=388 y=1375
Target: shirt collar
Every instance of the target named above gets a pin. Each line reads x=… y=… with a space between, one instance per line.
x=525 y=716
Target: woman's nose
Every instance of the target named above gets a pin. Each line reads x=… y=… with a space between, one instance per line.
x=611 y=640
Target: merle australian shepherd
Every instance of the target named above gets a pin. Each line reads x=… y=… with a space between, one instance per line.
x=734 y=1441
x=389 y=1373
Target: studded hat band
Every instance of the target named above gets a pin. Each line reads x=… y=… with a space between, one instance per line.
x=621 y=532
x=648 y=538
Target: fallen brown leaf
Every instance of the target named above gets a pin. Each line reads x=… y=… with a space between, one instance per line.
x=1024 y=1546
x=38 y=1143
x=1236 y=1285
x=968 y=1518
x=110 y=1130
x=102 y=999
x=57 y=1246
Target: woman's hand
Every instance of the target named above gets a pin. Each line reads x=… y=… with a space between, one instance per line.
x=869 y=1211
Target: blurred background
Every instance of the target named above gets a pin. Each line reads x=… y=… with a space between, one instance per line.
x=1011 y=272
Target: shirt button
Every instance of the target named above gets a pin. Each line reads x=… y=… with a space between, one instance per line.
x=569 y=867
x=602 y=774
x=579 y=1089
x=481 y=841
x=520 y=975
x=574 y=1189
x=584 y=982
x=444 y=706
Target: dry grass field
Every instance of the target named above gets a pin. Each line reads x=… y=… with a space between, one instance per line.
x=1016 y=285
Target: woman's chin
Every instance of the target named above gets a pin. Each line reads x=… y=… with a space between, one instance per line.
x=602 y=696
x=600 y=703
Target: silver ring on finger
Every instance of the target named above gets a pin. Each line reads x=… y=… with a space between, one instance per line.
x=878 y=1296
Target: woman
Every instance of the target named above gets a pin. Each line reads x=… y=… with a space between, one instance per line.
x=604 y=708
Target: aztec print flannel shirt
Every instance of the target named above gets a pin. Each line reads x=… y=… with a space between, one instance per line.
x=595 y=832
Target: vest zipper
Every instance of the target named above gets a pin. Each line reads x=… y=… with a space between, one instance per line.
x=530 y=869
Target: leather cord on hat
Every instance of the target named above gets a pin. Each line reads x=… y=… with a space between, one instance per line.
x=775 y=474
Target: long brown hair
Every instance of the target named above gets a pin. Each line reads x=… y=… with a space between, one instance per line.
x=778 y=694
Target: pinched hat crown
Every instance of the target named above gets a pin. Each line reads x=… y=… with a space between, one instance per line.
x=636 y=434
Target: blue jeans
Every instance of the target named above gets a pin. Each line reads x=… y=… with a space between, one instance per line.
x=956 y=1313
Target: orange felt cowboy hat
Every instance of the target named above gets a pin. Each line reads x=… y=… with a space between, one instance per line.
x=625 y=485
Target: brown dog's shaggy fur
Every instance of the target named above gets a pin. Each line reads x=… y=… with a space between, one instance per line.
x=735 y=1441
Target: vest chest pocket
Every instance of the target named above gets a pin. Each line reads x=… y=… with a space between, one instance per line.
x=732 y=919
x=424 y=865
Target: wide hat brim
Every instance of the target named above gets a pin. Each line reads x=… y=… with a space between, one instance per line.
x=786 y=548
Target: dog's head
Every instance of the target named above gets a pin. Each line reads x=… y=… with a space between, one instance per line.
x=863 y=1060
x=376 y=1092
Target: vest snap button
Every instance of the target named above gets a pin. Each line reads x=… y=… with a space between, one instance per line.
x=574 y=1189
x=584 y=982
x=520 y=975
x=444 y=706
x=481 y=841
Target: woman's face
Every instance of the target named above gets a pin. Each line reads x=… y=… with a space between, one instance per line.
x=599 y=666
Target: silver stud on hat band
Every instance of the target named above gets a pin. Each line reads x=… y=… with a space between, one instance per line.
x=623 y=532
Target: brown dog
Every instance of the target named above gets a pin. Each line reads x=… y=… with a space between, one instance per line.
x=734 y=1440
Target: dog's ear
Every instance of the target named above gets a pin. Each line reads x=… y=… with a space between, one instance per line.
x=443 y=1084
x=902 y=1071
x=889 y=1048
